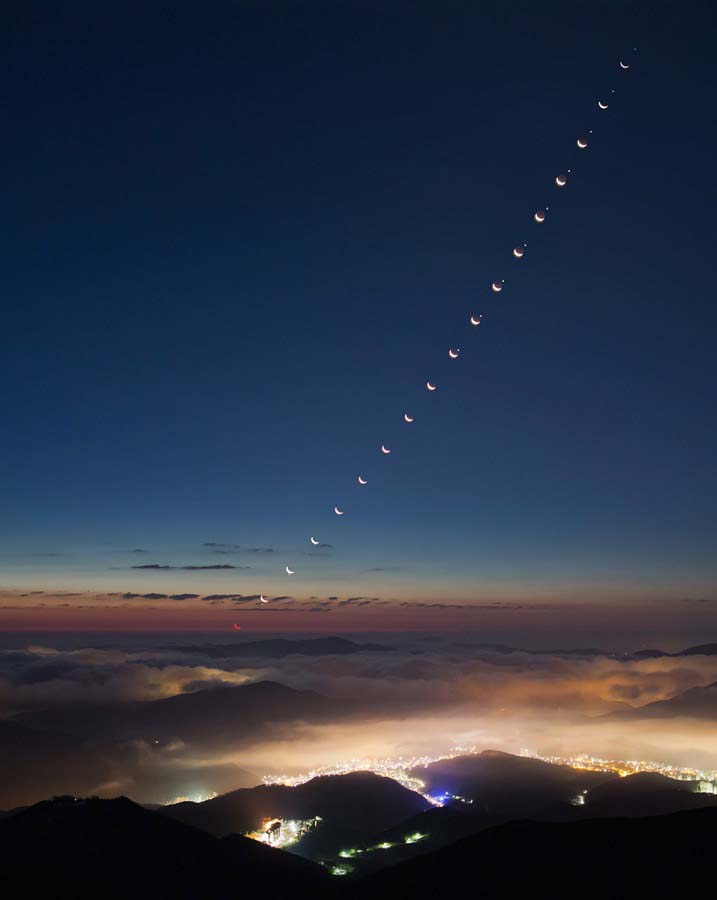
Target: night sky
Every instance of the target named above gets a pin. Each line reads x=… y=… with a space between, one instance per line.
x=239 y=237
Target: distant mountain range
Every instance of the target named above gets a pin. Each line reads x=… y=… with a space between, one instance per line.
x=587 y=652
x=699 y=650
x=279 y=647
x=228 y=714
x=696 y=703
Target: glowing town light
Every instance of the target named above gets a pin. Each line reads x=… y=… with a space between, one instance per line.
x=402 y=768
x=283 y=832
x=192 y=798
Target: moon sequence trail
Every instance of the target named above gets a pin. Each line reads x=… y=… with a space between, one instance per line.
x=496 y=287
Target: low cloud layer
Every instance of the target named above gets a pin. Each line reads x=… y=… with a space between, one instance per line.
x=417 y=671
x=418 y=693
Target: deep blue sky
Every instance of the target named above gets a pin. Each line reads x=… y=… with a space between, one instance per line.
x=238 y=237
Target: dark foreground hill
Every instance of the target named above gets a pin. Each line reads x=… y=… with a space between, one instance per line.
x=659 y=857
x=636 y=796
x=361 y=803
x=416 y=836
x=115 y=849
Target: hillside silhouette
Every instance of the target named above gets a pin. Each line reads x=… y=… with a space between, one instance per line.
x=116 y=849
x=698 y=650
x=503 y=784
x=231 y=713
x=658 y=857
x=644 y=794
x=695 y=703
x=276 y=648
x=501 y=801
x=359 y=804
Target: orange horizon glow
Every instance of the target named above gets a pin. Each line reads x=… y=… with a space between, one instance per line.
x=99 y=613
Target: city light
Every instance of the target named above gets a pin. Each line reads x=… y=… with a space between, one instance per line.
x=283 y=832
x=625 y=767
x=192 y=798
x=402 y=769
x=412 y=838
x=398 y=768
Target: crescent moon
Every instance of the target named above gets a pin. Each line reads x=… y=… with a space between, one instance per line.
x=362 y=480
x=518 y=252
x=623 y=65
x=262 y=598
x=497 y=286
x=582 y=143
x=407 y=418
x=454 y=354
x=539 y=216
x=289 y=571
x=385 y=449
x=431 y=387
x=602 y=105
x=314 y=541
x=475 y=320
x=236 y=627
x=561 y=180
x=339 y=512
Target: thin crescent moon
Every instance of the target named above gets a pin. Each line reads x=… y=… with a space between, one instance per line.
x=623 y=66
x=431 y=387
x=475 y=320
x=262 y=598
x=385 y=449
x=313 y=540
x=602 y=105
x=362 y=480
x=518 y=252
x=497 y=286
x=407 y=418
x=582 y=143
x=561 y=180
x=289 y=571
x=454 y=354
x=339 y=512
x=539 y=216
x=236 y=627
